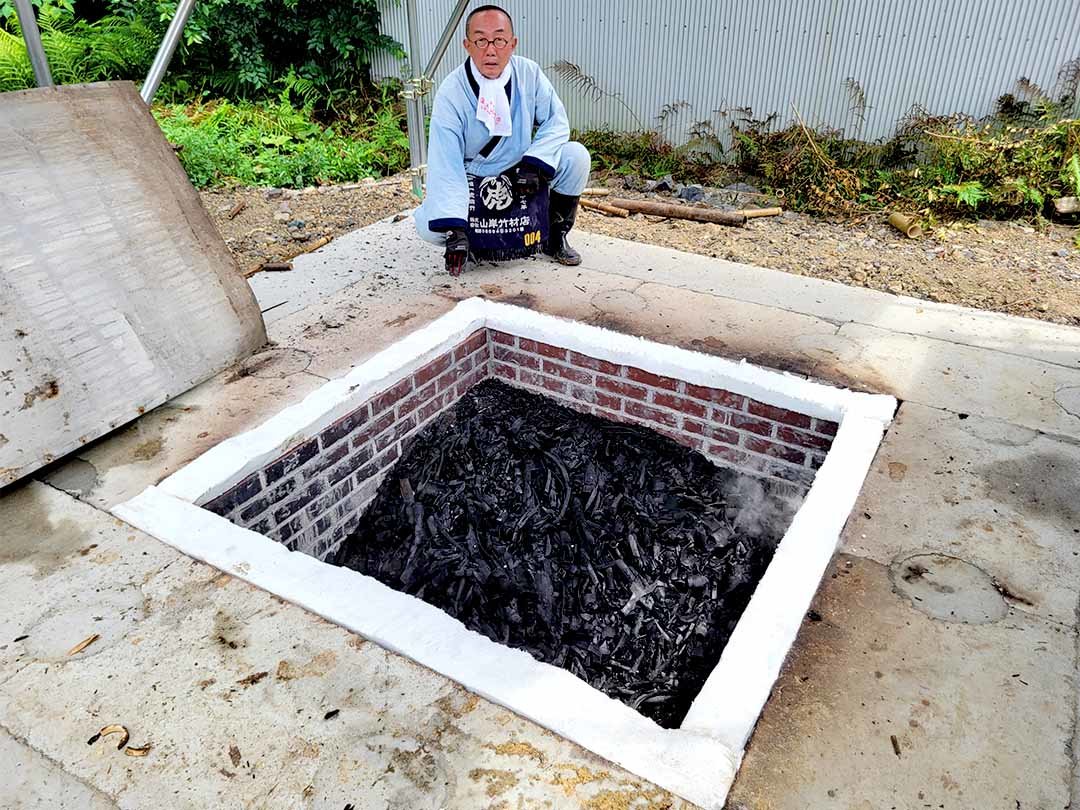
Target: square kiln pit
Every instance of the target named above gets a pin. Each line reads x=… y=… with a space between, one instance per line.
x=271 y=505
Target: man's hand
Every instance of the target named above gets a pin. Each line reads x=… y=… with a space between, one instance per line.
x=528 y=180
x=457 y=251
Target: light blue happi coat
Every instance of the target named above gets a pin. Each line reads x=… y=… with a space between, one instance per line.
x=457 y=138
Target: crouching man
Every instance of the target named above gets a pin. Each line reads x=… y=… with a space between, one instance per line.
x=499 y=140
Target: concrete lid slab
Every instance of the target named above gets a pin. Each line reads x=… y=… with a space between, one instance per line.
x=118 y=292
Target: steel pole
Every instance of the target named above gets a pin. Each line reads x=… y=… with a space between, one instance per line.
x=444 y=40
x=415 y=108
x=166 y=50
x=415 y=126
x=419 y=85
x=32 y=38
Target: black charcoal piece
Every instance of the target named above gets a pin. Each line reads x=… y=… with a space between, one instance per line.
x=602 y=548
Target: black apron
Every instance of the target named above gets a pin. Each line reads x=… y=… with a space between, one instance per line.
x=504 y=224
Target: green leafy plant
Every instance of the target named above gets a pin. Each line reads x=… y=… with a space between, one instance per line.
x=15 y=70
x=322 y=49
x=577 y=79
x=7 y=8
x=970 y=193
x=77 y=50
x=1071 y=175
x=648 y=154
x=945 y=166
x=277 y=144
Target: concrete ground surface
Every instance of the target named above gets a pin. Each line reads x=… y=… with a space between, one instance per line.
x=937 y=668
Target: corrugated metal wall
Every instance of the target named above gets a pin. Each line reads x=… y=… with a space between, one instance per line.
x=767 y=55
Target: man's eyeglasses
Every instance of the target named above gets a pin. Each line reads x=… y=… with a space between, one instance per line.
x=498 y=42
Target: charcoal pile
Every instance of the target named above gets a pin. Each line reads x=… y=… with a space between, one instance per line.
x=602 y=548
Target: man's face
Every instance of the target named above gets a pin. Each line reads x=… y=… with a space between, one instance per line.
x=489 y=28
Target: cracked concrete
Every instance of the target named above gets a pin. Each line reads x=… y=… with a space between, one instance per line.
x=232 y=686
x=959 y=699
x=1068 y=399
x=27 y=771
x=985 y=491
x=948 y=588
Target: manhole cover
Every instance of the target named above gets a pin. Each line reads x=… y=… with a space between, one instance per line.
x=948 y=588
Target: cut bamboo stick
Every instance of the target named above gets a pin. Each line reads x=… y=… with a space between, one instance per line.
x=751 y=213
x=681 y=212
x=596 y=192
x=905 y=224
x=289 y=256
x=611 y=210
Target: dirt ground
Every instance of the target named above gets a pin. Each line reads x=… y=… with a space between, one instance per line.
x=1002 y=266
x=276 y=224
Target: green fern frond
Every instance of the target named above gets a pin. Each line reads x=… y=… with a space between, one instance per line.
x=671 y=109
x=77 y=51
x=1072 y=173
x=588 y=86
x=970 y=193
x=16 y=73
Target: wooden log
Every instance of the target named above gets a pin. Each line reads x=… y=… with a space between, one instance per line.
x=1067 y=205
x=596 y=192
x=236 y=209
x=276 y=267
x=752 y=213
x=680 y=212
x=604 y=208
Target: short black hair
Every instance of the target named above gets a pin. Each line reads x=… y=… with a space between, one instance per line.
x=480 y=9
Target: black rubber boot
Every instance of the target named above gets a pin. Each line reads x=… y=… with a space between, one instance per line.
x=562 y=212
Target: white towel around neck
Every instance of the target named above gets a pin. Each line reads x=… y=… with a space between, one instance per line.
x=493 y=107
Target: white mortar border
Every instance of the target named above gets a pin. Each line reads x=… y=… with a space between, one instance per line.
x=697 y=761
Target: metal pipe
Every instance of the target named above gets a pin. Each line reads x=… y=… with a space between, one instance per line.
x=444 y=40
x=415 y=124
x=419 y=84
x=166 y=50
x=414 y=108
x=32 y=38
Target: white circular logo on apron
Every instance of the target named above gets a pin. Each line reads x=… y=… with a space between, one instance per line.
x=496 y=193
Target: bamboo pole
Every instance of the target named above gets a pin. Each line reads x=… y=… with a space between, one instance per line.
x=681 y=212
x=604 y=208
x=751 y=213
